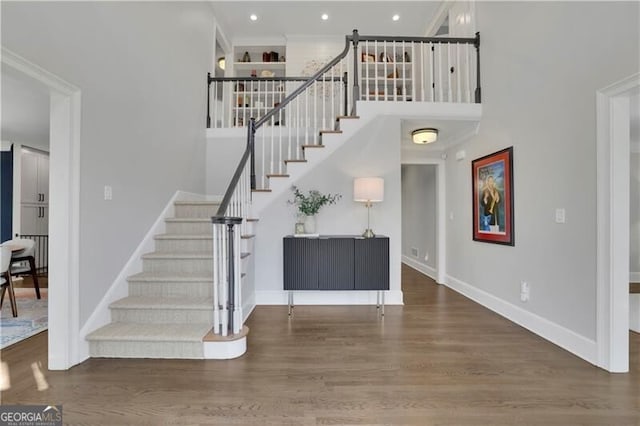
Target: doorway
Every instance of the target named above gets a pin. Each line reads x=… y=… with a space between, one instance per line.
x=634 y=215
x=423 y=225
x=25 y=200
x=64 y=140
x=613 y=147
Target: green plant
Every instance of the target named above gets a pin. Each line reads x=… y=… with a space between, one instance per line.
x=310 y=204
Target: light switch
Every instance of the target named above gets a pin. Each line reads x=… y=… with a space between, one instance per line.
x=108 y=192
x=560 y=216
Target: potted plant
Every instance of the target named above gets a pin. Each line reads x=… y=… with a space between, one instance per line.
x=309 y=205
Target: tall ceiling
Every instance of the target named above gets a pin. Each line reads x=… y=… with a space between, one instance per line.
x=283 y=18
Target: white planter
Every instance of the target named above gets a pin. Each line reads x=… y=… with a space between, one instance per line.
x=310 y=224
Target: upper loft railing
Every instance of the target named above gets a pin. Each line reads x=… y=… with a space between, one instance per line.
x=234 y=100
x=286 y=117
x=400 y=69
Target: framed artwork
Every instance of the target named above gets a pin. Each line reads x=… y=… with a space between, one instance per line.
x=492 y=186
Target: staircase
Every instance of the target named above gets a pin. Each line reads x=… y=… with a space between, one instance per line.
x=188 y=300
x=169 y=309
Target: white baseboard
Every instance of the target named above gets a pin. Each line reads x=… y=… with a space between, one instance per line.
x=101 y=315
x=304 y=297
x=225 y=350
x=569 y=340
x=420 y=267
x=634 y=277
x=247 y=307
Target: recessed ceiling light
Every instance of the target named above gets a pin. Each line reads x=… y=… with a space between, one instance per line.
x=324 y=16
x=253 y=17
x=395 y=17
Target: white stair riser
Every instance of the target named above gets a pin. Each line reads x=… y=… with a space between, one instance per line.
x=171 y=289
x=189 y=228
x=247 y=245
x=195 y=210
x=198 y=267
x=129 y=349
x=251 y=227
x=162 y=316
x=186 y=245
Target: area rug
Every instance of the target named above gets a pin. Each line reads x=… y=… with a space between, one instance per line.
x=32 y=316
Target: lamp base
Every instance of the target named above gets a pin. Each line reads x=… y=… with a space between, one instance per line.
x=368 y=234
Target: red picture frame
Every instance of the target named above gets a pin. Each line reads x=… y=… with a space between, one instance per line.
x=492 y=186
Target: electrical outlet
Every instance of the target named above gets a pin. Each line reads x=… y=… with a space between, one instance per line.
x=414 y=252
x=108 y=192
x=525 y=291
x=426 y=257
x=560 y=215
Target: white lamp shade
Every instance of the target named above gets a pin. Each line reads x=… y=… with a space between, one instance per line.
x=369 y=189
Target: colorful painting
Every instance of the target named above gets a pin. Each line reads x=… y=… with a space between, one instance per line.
x=492 y=183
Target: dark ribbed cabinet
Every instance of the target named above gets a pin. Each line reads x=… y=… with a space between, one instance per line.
x=336 y=263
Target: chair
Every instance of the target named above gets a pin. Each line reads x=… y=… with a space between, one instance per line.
x=26 y=254
x=5 y=279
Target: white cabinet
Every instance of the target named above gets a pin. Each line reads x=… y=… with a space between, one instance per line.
x=259 y=61
x=34 y=193
x=254 y=97
x=34 y=219
x=35 y=178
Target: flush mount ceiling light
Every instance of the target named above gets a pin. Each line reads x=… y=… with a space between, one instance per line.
x=395 y=17
x=253 y=17
x=324 y=16
x=221 y=63
x=424 y=136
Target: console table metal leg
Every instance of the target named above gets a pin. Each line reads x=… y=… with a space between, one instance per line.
x=378 y=299
x=382 y=309
x=290 y=302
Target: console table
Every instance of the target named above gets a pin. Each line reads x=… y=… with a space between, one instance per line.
x=336 y=262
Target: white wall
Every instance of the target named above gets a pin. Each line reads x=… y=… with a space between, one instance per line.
x=375 y=151
x=141 y=68
x=419 y=213
x=634 y=229
x=302 y=51
x=25 y=111
x=222 y=158
x=634 y=241
x=542 y=63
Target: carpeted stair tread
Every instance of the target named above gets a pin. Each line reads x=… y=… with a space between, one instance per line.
x=123 y=331
x=198 y=203
x=166 y=303
x=177 y=255
x=184 y=236
x=168 y=277
x=189 y=219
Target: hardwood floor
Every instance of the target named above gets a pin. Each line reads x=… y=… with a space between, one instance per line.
x=438 y=360
x=27 y=282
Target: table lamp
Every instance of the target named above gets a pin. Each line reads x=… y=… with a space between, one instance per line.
x=368 y=190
